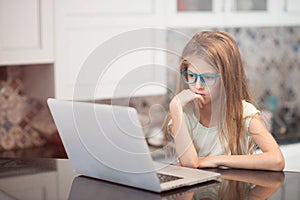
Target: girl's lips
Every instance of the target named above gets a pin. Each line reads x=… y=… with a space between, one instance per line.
x=201 y=94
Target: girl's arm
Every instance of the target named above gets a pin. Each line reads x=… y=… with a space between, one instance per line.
x=185 y=149
x=271 y=157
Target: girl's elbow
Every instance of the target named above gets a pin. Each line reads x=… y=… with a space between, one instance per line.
x=190 y=165
x=279 y=164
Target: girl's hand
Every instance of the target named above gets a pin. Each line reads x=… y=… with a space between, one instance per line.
x=184 y=97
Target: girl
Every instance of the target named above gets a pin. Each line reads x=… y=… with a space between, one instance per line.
x=213 y=120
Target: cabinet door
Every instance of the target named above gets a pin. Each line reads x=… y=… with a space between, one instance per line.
x=26 y=32
x=82 y=31
x=194 y=13
x=249 y=5
x=292 y=6
x=232 y=13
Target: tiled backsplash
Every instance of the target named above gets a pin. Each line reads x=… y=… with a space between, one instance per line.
x=24 y=121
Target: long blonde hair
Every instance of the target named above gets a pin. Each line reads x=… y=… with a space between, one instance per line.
x=220 y=50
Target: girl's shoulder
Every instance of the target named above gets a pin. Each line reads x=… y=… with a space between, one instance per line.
x=249 y=109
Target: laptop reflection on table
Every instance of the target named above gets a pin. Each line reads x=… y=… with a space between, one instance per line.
x=89 y=188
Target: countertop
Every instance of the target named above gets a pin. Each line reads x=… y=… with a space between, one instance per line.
x=47 y=178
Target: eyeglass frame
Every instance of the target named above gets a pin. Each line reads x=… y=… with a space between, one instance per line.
x=215 y=76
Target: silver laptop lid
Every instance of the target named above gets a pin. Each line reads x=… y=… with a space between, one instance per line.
x=102 y=142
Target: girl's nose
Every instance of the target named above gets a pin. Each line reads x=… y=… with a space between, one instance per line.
x=199 y=84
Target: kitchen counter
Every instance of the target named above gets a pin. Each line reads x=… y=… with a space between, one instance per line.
x=49 y=150
x=47 y=178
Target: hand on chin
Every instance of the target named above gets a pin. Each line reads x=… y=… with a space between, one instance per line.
x=200 y=103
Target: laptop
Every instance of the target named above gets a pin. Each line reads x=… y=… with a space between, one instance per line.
x=107 y=142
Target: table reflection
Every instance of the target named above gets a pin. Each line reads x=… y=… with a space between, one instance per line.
x=88 y=188
x=234 y=184
x=249 y=184
x=55 y=179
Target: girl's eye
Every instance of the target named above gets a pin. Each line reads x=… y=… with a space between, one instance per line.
x=207 y=77
x=191 y=75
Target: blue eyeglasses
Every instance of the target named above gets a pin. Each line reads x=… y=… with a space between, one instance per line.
x=207 y=79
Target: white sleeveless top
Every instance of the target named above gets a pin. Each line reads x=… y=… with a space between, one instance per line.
x=206 y=140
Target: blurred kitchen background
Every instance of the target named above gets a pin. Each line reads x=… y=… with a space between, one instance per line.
x=43 y=44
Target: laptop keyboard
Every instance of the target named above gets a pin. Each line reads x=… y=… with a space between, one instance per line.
x=166 y=178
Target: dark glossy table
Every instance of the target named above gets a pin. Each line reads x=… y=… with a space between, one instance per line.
x=47 y=178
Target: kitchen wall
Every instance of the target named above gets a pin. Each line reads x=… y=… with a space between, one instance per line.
x=271 y=58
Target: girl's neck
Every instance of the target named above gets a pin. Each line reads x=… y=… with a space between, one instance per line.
x=206 y=118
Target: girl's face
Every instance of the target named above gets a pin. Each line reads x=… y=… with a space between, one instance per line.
x=210 y=89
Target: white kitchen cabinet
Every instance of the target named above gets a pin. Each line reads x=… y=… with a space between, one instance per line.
x=26 y=35
x=83 y=26
x=233 y=13
x=275 y=14
x=178 y=17
x=292 y=6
